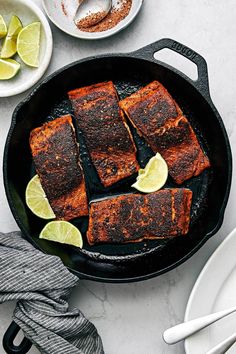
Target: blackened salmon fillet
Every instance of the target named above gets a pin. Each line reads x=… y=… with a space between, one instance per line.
x=106 y=133
x=56 y=158
x=135 y=217
x=159 y=119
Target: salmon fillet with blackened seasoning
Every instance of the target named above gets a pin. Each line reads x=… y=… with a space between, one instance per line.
x=56 y=158
x=136 y=217
x=158 y=118
x=107 y=136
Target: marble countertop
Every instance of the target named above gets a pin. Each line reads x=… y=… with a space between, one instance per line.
x=132 y=317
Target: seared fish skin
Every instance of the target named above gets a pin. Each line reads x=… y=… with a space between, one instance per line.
x=107 y=136
x=158 y=118
x=56 y=158
x=135 y=217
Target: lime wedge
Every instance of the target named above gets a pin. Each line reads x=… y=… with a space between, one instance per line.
x=36 y=199
x=3 y=27
x=62 y=232
x=15 y=26
x=8 y=68
x=9 y=43
x=28 y=42
x=153 y=177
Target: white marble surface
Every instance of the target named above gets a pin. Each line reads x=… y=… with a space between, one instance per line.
x=132 y=317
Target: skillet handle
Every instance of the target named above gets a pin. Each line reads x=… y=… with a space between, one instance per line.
x=9 y=337
x=202 y=83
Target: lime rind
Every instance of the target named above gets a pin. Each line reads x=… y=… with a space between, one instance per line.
x=14 y=27
x=28 y=44
x=37 y=201
x=9 y=44
x=8 y=68
x=63 y=232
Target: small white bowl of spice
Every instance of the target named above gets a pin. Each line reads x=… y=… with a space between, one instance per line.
x=62 y=14
x=25 y=46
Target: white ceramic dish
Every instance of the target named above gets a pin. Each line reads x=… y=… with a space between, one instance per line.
x=28 y=12
x=214 y=290
x=62 y=16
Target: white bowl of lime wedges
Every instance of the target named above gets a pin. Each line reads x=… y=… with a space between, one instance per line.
x=25 y=46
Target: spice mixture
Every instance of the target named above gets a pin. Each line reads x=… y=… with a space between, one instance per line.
x=117 y=14
x=91 y=20
x=63 y=8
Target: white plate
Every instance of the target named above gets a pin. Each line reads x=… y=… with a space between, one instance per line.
x=63 y=18
x=27 y=12
x=214 y=290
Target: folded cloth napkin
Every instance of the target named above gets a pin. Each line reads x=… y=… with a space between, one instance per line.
x=42 y=285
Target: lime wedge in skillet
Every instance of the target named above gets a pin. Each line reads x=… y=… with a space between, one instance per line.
x=36 y=199
x=62 y=232
x=3 y=27
x=153 y=177
x=28 y=44
x=9 y=43
x=8 y=68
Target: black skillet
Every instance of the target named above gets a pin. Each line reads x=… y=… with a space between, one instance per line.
x=129 y=72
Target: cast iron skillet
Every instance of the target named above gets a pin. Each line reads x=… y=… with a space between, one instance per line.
x=129 y=262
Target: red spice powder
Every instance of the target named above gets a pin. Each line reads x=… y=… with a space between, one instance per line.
x=91 y=20
x=116 y=15
x=63 y=8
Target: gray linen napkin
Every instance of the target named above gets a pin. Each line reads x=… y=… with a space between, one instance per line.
x=42 y=285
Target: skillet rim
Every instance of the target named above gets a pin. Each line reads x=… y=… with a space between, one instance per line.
x=138 y=54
